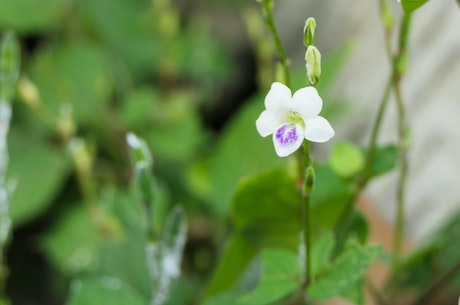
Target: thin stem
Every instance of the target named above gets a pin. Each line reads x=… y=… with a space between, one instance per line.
x=305 y=204
x=366 y=173
x=402 y=142
x=436 y=287
x=270 y=22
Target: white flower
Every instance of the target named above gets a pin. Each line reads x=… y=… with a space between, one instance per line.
x=291 y=119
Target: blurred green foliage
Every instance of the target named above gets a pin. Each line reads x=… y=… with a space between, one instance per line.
x=104 y=68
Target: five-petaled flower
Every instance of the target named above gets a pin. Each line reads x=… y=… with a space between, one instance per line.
x=293 y=118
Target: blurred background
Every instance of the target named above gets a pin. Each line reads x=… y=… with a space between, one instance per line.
x=189 y=77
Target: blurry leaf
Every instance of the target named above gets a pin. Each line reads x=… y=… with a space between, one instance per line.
x=265 y=210
x=280 y=276
x=265 y=214
x=230 y=297
x=103 y=290
x=357 y=227
x=78 y=74
x=433 y=260
x=346 y=159
x=321 y=253
x=240 y=152
x=346 y=271
x=39 y=172
x=32 y=15
x=72 y=242
x=235 y=258
x=126 y=27
x=123 y=256
x=411 y=5
x=385 y=159
x=330 y=196
x=203 y=58
x=356 y=293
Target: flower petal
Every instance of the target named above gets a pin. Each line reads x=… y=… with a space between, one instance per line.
x=267 y=123
x=278 y=98
x=287 y=139
x=318 y=130
x=307 y=102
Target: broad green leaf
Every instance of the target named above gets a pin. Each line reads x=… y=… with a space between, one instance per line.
x=72 y=243
x=411 y=5
x=103 y=290
x=241 y=152
x=265 y=214
x=346 y=159
x=321 y=253
x=344 y=273
x=236 y=256
x=78 y=74
x=32 y=16
x=385 y=159
x=280 y=276
x=356 y=293
x=39 y=172
x=265 y=210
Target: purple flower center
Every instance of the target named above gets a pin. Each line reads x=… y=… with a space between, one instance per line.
x=286 y=135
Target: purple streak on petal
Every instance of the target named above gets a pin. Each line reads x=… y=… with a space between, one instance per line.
x=286 y=134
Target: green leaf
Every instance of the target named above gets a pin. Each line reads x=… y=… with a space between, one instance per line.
x=236 y=256
x=78 y=74
x=346 y=159
x=321 y=253
x=32 y=16
x=39 y=172
x=126 y=28
x=279 y=278
x=265 y=210
x=411 y=5
x=265 y=213
x=103 y=290
x=231 y=162
x=385 y=159
x=344 y=273
x=72 y=243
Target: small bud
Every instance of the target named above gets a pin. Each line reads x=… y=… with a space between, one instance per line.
x=313 y=64
x=309 y=32
x=309 y=179
x=28 y=92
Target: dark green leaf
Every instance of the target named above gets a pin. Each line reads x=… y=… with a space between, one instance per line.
x=385 y=159
x=280 y=276
x=39 y=173
x=344 y=273
x=411 y=5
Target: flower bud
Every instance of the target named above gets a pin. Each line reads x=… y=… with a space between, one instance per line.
x=313 y=64
x=309 y=32
x=309 y=179
x=28 y=92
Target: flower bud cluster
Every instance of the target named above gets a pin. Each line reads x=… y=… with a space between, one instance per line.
x=312 y=55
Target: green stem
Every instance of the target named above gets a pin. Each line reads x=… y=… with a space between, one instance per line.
x=308 y=181
x=402 y=142
x=270 y=22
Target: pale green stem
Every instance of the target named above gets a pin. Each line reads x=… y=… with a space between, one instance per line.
x=402 y=142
